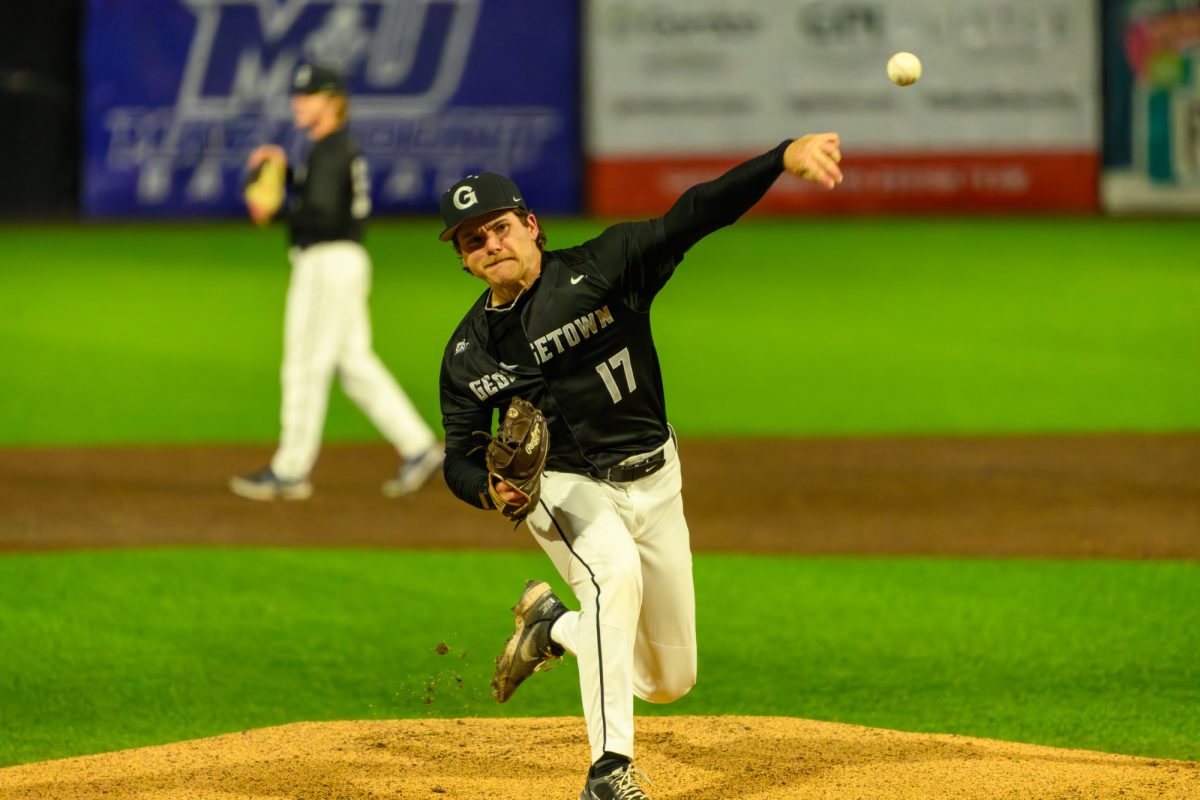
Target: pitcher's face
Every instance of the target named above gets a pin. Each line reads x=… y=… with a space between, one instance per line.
x=502 y=250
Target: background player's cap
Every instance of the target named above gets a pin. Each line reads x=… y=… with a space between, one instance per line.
x=475 y=195
x=313 y=78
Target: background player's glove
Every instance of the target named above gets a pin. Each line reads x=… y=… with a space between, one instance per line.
x=516 y=455
x=264 y=190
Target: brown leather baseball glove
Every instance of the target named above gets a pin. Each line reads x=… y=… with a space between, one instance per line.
x=516 y=455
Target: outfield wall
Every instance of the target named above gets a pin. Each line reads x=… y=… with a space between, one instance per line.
x=180 y=91
x=1006 y=117
x=1152 y=101
x=614 y=106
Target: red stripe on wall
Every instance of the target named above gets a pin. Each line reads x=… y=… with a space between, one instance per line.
x=888 y=184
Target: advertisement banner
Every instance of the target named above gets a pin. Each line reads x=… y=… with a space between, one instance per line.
x=180 y=91
x=1152 y=106
x=1005 y=117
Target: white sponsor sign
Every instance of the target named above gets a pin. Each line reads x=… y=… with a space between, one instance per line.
x=704 y=76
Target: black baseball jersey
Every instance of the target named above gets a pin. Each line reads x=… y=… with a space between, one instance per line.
x=329 y=194
x=578 y=345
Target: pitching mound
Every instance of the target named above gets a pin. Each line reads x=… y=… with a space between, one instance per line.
x=528 y=759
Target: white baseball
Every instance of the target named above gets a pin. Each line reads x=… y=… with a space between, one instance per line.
x=904 y=69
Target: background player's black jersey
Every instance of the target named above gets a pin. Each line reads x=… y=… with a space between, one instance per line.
x=329 y=197
x=577 y=343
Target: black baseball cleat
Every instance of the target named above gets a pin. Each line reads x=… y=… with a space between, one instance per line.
x=530 y=649
x=623 y=783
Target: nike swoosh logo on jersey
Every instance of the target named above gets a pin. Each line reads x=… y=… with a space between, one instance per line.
x=576 y=279
x=508 y=366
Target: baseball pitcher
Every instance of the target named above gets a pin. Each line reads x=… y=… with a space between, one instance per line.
x=560 y=343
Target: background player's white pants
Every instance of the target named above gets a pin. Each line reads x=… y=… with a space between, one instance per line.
x=624 y=549
x=327 y=329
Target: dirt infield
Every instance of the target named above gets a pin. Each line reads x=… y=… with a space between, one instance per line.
x=1111 y=496
x=1125 y=496
x=521 y=759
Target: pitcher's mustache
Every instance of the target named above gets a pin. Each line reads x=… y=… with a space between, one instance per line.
x=498 y=259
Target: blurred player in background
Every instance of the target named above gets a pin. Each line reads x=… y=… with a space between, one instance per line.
x=327 y=326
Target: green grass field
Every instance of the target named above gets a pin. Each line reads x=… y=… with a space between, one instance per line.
x=174 y=333
x=121 y=649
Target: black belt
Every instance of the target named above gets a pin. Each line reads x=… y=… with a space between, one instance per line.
x=624 y=473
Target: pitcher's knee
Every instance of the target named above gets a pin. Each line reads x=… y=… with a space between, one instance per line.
x=670 y=690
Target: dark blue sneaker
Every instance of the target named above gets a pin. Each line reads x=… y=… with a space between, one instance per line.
x=415 y=472
x=266 y=485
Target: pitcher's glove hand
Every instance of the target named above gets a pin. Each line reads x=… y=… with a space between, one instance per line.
x=516 y=455
x=264 y=190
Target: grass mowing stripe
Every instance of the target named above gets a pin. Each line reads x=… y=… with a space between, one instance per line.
x=1097 y=655
x=174 y=333
x=106 y=650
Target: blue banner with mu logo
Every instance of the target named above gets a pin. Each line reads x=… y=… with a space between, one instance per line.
x=180 y=91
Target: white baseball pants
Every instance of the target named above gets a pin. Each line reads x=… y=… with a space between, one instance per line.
x=327 y=329
x=624 y=549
